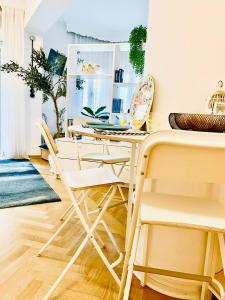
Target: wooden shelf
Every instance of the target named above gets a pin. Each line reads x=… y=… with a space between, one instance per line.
x=124 y=83
x=91 y=75
x=113 y=58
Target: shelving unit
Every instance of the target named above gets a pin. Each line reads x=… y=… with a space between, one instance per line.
x=110 y=56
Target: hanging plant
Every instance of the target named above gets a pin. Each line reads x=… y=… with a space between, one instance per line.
x=137 y=55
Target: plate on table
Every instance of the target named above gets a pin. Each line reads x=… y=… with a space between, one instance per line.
x=110 y=127
x=98 y=123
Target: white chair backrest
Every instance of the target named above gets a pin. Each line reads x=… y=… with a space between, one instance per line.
x=50 y=138
x=52 y=147
x=72 y=196
x=183 y=155
x=51 y=143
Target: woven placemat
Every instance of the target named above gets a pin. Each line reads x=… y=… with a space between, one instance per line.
x=118 y=132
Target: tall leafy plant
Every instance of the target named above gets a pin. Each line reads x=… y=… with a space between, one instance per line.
x=42 y=77
x=137 y=54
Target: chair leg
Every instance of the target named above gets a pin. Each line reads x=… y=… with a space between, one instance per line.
x=104 y=197
x=208 y=258
x=108 y=231
x=68 y=209
x=121 y=169
x=89 y=222
x=121 y=193
x=131 y=264
x=89 y=236
x=66 y=212
x=61 y=276
x=145 y=256
x=113 y=169
x=63 y=225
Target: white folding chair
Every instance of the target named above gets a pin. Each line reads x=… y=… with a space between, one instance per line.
x=105 y=158
x=181 y=157
x=83 y=181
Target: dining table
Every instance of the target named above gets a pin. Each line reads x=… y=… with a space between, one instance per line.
x=135 y=139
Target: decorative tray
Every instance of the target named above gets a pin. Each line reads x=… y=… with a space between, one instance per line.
x=197 y=122
x=119 y=132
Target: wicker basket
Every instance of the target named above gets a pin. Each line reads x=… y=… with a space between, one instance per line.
x=197 y=122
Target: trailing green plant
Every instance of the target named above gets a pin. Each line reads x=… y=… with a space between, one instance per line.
x=42 y=77
x=98 y=114
x=137 y=54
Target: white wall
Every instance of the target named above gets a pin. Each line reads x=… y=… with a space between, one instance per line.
x=106 y=20
x=185 y=52
x=42 y=14
x=56 y=38
x=31 y=6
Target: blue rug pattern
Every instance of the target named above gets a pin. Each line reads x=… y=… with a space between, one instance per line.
x=21 y=184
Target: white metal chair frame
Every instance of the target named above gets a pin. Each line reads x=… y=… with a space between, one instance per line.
x=102 y=161
x=89 y=227
x=55 y=148
x=207 y=280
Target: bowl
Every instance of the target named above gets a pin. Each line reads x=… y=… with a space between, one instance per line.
x=197 y=122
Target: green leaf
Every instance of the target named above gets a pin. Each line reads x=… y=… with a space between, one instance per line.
x=87 y=115
x=89 y=110
x=100 y=109
x=103 y=113
x=45 y=98
x=103 y=117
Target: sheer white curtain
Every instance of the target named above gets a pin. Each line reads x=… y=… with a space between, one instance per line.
x=13 y=113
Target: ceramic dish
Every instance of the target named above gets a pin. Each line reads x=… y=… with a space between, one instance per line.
x=110 y=127
x=98 y=123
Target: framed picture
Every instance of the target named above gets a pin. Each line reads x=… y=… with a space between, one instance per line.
x=141 y=103
x=57 y=61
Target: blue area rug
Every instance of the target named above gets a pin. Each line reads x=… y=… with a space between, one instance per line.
x=21 y=184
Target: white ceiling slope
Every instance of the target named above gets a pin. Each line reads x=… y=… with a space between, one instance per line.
x=44 y=13
x=110 y=20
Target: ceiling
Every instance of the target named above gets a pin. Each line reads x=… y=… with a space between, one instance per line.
x=105 y=19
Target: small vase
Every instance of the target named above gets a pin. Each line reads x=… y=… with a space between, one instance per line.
x=121 y=71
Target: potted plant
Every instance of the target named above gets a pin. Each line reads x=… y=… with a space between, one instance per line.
x=137 y=54
x=40 y=75
x=98 y=114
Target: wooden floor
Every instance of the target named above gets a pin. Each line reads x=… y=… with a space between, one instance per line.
x=23 y=231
